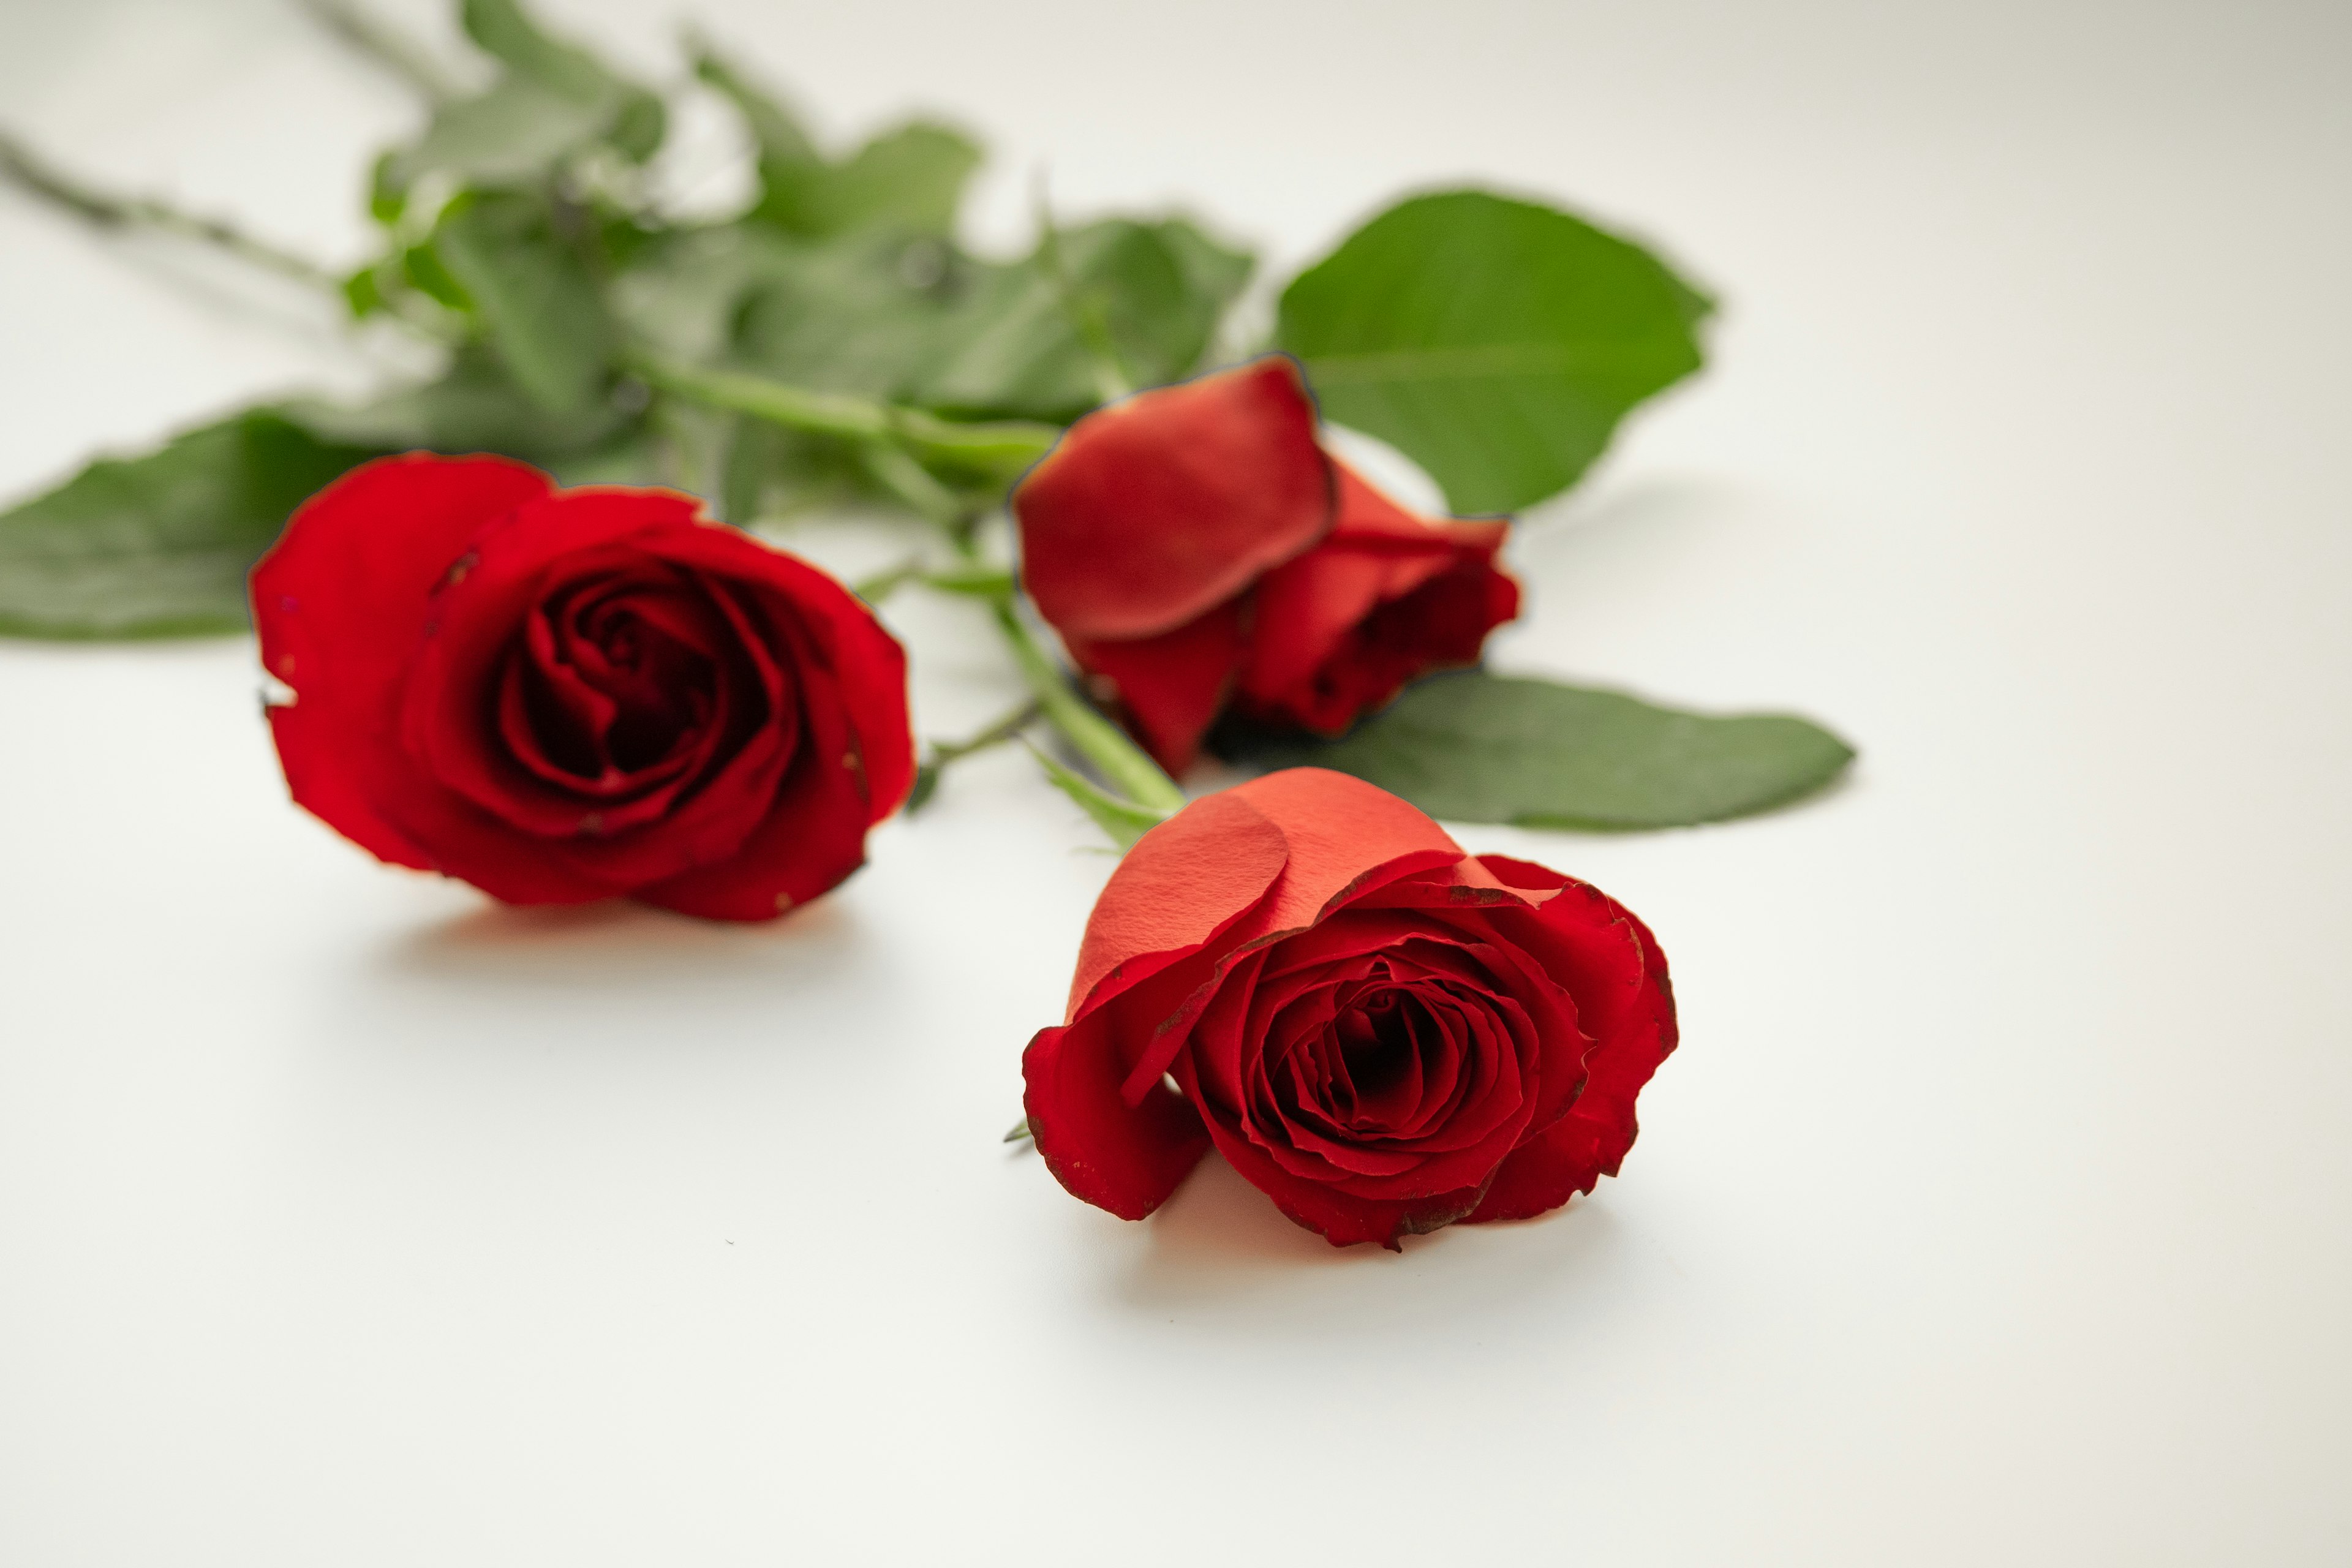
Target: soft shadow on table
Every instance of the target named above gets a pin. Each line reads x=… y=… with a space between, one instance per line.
x=1221 y=1241
x=616 y=945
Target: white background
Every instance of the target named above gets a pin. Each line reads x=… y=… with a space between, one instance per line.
x=1995 y=1209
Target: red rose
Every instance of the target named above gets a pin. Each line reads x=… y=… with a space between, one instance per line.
x=565 y=695
x=1384 y=1034
x=1197 y=549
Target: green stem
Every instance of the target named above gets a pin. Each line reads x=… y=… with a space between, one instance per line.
x=1002 y=446
x=1019 y=718
x=945 y=753
x=1120 y=761
x=385 y=44
x=887 y=580
x=914 y=484
x=21 y=165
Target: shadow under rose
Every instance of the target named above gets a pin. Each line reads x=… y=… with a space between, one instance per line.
x=617 y=946
x=1219 y=1239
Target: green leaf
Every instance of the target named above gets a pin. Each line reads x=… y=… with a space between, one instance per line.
x=776 y=130
x=679 y=296
x=634 y=118
x=1155 y=291
x=535 y=295
x=514 y=134
x=159 y=545
x=908 y=179
x=555 y=102
x=1476 y=747
x=866 y=314
x=1495 y=342
x=474 y=406
x=505 y=32
x=1123 y=820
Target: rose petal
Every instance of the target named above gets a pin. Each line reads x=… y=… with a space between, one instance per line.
x=1121 y=1156
x=1172 y=686
x=808 y=830
x=1375 y=551
x=1154 y=509
x=1619 y=975
x=856 y=653
x=339 y=602
x=1338 y=1217
x=1184 y=884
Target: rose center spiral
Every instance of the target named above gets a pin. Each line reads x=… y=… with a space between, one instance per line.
x=623 y=683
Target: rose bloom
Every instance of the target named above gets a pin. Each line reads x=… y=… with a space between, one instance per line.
x=565 y=695
x=1198 y=550
x=1381 y=1033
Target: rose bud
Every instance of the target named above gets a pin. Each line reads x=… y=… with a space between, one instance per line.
x=565 y=695
x=1381 y=1033
x=1196 y=549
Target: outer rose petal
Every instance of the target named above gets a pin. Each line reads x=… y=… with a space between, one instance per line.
x=1123 y=1156
x=1185 y=882
x=1631 y=1040
x=1157 y=509
x=339 y=602
x=1172 y=686
x=1384 y=598
x=1344 y=837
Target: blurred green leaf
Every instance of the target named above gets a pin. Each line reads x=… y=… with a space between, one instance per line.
x=159 y=545
x=908 y=179
x=868 y=313
x=537 y=300
x=679 y=296
x=505 y=32
x=770 y=472
x=635 y=120
x=1156 y=292
x=1476 y=747
x=1495 y=342
x=474 y=406
x=553 y=101
x=776 y=130
x=514 y=134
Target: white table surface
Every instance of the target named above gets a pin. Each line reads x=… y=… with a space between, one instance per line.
x=1995 y=1210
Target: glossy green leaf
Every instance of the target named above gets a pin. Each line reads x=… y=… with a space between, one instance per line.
x=159 y=545
x=1496 y=343
x=538 y=302
x=1476 y=747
